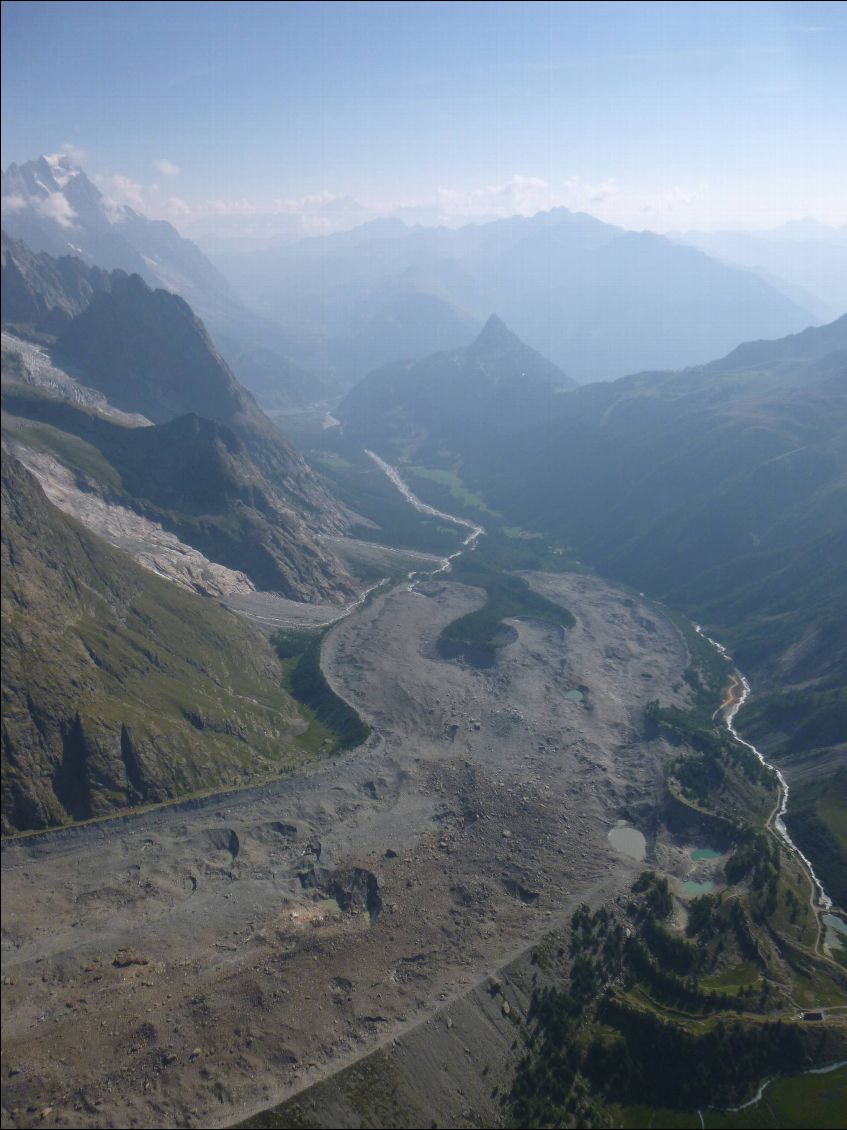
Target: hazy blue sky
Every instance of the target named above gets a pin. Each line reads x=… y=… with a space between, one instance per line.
x=655 y=115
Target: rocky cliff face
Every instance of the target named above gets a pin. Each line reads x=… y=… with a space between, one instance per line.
x=226 y=480
x=43 y=294
x=147 y=352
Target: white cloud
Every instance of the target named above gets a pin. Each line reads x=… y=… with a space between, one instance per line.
x=118 y=191
x=240 y=207
x=75 y=155
x=280 y=206
x=677 y=199
x=13 y=203
x=298 y=204
x=179 y=207
x=578 y=193
x=166 y=168
x=519 y=195
x=669 y=207
x=70 y=154
x=55 y=207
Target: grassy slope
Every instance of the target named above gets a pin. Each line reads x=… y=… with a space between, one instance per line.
x=300 y=653
x=119 y=688
x=362 y=486
x=791 y=1103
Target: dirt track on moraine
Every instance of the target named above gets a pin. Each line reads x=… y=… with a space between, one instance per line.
x=191 y=965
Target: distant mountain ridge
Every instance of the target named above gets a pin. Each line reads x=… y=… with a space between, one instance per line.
x=335 y=307
x=804 y=258
x=598 y=300
x=811 y=344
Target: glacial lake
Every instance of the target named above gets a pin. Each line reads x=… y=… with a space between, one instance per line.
x=705 y=853
x=628 y=841
x=694 y=888
x=836 y=931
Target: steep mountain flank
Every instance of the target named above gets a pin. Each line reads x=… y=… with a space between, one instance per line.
x=193 y=477
x=147 y=352
x=262 y=508
x=119 y=688
x=41 y=293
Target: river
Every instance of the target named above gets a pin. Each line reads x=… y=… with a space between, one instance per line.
x=474 y=531
x=821 y=901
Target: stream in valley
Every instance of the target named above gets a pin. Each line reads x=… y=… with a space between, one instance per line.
x=474 y=531
x=821 y=900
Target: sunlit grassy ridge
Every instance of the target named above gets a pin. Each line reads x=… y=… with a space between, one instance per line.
x=118 y=687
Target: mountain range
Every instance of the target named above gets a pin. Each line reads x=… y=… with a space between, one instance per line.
x=719 y=488
x=805 y=259
x=598 y=300
x=303 y=317
x=52 y=206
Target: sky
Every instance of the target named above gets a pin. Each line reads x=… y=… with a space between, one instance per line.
x=662 y=116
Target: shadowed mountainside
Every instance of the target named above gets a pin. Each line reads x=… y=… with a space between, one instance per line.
x=453 y=398
x=262 y=507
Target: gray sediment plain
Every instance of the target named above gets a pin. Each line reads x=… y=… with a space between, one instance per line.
x=191 y=965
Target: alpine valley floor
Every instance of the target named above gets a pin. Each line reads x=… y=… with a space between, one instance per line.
x=192 y=965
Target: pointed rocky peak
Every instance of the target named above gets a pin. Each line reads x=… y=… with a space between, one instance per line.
x=45 y=177
x=504 y=356
x=496 y=337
